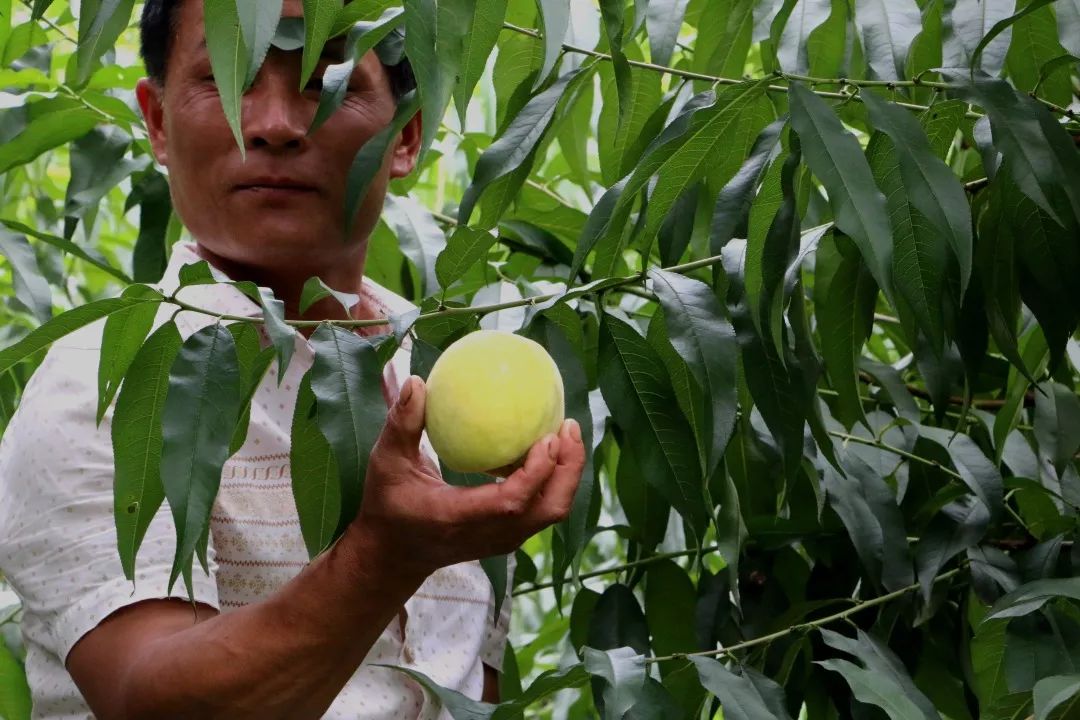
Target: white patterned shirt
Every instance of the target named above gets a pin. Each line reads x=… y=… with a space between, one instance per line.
x=58 y=538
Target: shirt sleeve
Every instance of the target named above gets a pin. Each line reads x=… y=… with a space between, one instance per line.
x=493 y=648
x=58 y=541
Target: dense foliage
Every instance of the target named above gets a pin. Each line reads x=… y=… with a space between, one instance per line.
x=806 y=267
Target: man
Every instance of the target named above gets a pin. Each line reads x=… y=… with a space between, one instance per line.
x=271 y=636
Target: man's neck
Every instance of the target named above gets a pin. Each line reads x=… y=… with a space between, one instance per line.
x=287 y=284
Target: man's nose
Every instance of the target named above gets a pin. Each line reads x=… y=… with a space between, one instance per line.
x=275 y=114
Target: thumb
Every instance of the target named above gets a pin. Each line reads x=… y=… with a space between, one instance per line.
x=405 y=422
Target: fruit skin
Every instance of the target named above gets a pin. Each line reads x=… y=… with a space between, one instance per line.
x=490 y=396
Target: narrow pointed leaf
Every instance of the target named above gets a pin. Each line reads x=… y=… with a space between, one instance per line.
x=806 y=16
x=87 y=255
x=137 y=441
x=734 y=202
x=836 y=158
x=637 y=388
x=1001 y=26
x=228 y=59
x=123 y=336
x=739 y=697
x=64 y=324
x=100 y=24
x=319 y=16
x=363 y=36
x=315 y=290
x=888 y=28
x=623 y=673
x=516 y=145
x=931 y=186
x=663 y=21
x=346 y=380
x=1057 y=696
x=477 y=44
x=258 y=23
x=1030 y=597
x=465 y=248
x=31 y=288
x=201 y=411
x=870 y=688
x=315 y=477
x=705 y=339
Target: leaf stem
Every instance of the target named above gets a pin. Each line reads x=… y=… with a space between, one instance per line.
x=804 y=627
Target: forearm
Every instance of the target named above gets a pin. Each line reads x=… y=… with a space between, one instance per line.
x=286 y=657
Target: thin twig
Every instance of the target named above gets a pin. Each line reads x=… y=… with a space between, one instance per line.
x=871 y=442
x=790 y=77
x=616 y=568
x=805 y=627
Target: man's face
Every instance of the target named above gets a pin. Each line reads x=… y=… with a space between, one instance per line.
x=232 y=207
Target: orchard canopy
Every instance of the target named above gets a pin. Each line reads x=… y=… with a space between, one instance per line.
x=810 y=270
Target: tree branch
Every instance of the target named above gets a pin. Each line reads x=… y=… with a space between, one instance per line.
x=860 y=605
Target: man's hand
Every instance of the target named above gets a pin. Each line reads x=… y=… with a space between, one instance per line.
x=421 y=524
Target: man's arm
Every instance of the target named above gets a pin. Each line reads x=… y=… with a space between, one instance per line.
x=290 y=655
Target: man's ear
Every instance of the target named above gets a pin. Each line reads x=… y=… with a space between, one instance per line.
x=151 y=97
x=403 y=159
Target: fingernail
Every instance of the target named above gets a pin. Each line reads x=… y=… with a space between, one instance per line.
x=552 y=448
x=575 y=430
x=406 y=392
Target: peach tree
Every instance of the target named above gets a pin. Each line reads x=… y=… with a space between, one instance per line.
x=804 y=265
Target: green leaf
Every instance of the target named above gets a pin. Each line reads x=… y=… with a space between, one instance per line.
x=466 y=247
x=137 y=441
x=736 y=198
x=64 y=324
x=663 y=21
x=988 y=661
x=555 y=18
x=959 y=525
x=97 y=166
x=363 y=36
x=315 y=477
x=888 y=28
x=100 y=24
x=315 y=290
x=1057 y=697
x=1032 y=596
x=15 y=698
x=966 y=23
x=259 y=23
x=612 y=14
x=621 y=145
x=877 y=658
x=370 y=157
x=870 y=688
x=124 y=334
x=319 y=16
x=637 y=388
x=655 y=703
x=201 y=410
x=1068 y=22
x=805 y=17
x=670 y=600
x=623 y=672
x=617 y=621
x=977 y=471
x=50 y=123
x=89 y=256
x=346 y=379
x=738 y=695
x=705 y=339
x=31 y=288
x=1057 y=423
x=434 y=40
x=931 y=186
x=1035 y=356
x=229 y=58
x=253 y=361
x=282 y=335
x=515 y=148
x=419 y=237
x=157 y=221
x=835 y=157
x=1039 y=152
x=844 y=295
x=478 y=42
x=1001 y=26
x=868 y=508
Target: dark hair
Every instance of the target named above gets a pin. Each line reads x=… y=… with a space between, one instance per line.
x=158 y=27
